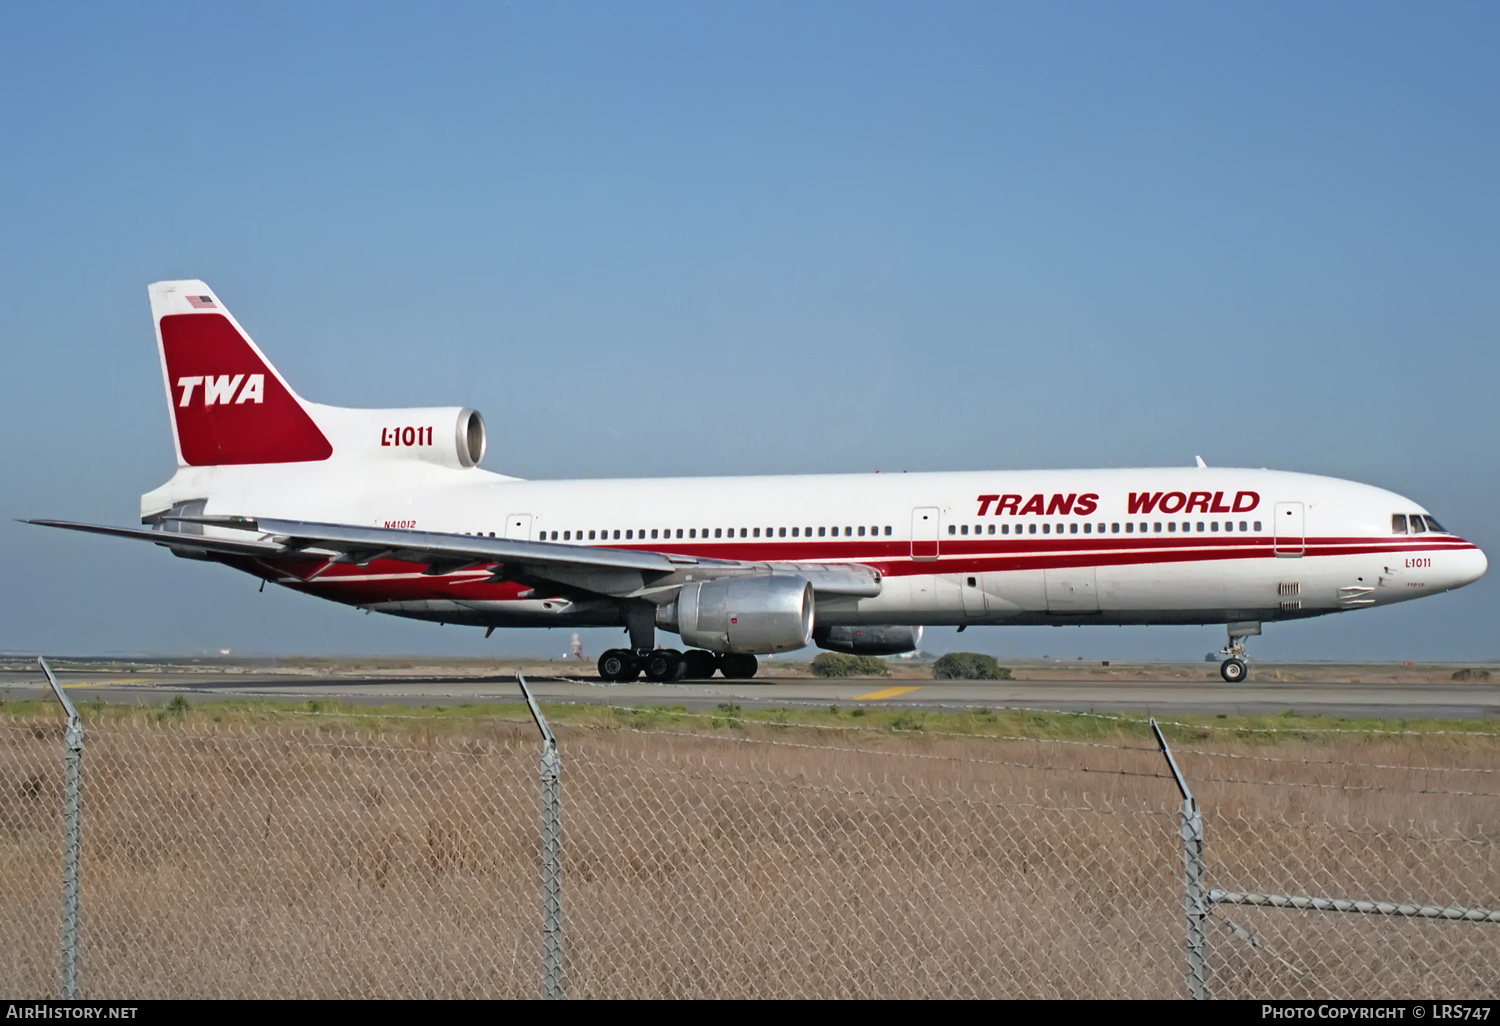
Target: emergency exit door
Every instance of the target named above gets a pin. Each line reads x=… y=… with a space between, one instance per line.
x=518 y=526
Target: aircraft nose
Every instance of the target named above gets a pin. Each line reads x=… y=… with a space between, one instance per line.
x=1472 y=565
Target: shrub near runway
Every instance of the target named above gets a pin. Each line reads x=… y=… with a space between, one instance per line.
x=836 y=664
x=968 y=666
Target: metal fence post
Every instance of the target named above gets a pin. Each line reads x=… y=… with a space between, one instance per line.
x=552 y=951
x=1195 y=897
x=72 y=830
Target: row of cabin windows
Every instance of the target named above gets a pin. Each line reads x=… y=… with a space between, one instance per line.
x=667 y=533
x=1188 y=526
x=1416 y=523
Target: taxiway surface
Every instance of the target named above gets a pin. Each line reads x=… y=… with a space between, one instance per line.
x=1468 y=701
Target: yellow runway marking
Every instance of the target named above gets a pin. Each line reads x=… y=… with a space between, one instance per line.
x=875 y=696
x=102 y=683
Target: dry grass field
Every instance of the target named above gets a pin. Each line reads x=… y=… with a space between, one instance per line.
x=261 y=853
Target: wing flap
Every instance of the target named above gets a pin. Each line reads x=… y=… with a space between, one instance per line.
x=433 y=548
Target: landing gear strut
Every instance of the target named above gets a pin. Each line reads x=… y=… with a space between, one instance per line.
x=1233 y=668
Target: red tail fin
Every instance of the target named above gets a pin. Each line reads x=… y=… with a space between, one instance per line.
x=229 y=406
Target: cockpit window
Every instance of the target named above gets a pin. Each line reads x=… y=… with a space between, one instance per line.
x=1433 y=525
x=1417 y=527
x=1398 y=523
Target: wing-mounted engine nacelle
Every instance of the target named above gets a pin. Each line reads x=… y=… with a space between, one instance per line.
x=448 y=436
x=760 y=614
x=884 y=640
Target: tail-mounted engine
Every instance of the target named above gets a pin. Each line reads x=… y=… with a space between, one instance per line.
x=759 y=614
x=446 y=435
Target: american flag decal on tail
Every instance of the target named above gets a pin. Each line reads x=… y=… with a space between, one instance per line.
x=201 y=303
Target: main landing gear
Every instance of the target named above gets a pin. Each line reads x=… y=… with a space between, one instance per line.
x=1233 y=669
x=665 y=665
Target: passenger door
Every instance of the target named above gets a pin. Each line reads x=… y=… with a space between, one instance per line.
x=1289 y=537
x=924 y=532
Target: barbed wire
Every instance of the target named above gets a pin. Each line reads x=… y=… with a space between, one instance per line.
x=1332 y=762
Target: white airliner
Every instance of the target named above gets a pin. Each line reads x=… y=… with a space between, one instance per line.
x=387 y=510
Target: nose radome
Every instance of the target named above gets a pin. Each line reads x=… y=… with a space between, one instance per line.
x=1472 y=566
x=1481 y=563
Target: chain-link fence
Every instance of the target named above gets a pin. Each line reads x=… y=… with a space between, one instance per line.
x=274 y=855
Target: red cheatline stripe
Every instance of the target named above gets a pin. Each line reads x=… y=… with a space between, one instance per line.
x=1056 y=553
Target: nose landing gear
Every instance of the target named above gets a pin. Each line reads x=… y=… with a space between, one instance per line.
x=1233 y=669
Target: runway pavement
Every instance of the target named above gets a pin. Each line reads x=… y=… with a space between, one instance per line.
x=1470 y=701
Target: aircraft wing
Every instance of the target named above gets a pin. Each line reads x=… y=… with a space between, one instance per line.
x=592 y=569
x=191 y=542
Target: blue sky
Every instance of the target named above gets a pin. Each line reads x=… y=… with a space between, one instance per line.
x=682 y=238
